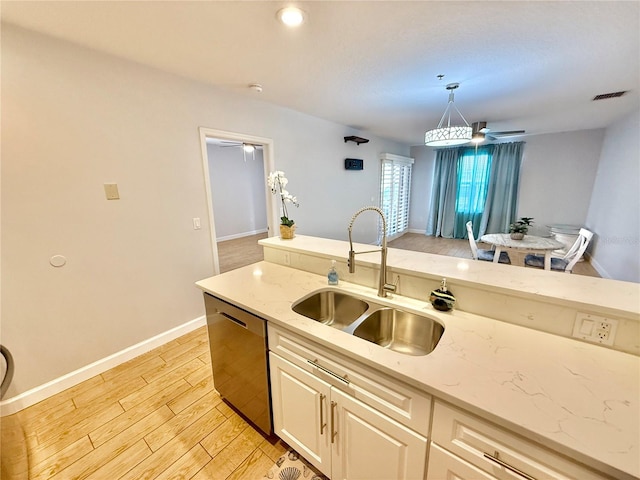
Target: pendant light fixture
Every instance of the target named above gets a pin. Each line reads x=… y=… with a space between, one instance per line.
x=449 y=135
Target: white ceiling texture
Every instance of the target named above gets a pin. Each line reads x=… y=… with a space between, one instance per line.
x=373 y=65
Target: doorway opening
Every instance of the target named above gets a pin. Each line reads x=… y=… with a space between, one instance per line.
x=240 y=206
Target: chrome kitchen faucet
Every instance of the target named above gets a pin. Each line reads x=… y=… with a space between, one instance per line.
x=383 y=286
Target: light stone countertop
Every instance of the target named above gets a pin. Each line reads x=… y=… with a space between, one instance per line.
x=578 y=399
x=614 y=297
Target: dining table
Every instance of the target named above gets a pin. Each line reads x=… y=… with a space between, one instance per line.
x=530 y=243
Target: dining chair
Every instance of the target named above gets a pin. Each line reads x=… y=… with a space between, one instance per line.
x=566 y=263
x=481 y=254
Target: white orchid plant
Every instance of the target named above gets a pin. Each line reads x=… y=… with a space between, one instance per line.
x=277 y=183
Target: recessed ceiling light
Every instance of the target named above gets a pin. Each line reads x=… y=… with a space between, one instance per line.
x=291 y=16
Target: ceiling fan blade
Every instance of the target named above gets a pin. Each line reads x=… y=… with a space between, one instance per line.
x=225 y=144
x=507 y=133
x=480 y=131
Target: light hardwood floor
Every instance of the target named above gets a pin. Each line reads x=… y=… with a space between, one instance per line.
x=239 y=252
x=245 y=251
x=154 y=417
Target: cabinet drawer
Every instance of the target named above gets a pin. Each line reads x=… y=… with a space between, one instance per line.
x=484 y=445
x=401 y=402
x=444 y=465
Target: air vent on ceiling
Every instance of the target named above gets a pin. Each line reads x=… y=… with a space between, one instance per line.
x=604 y=96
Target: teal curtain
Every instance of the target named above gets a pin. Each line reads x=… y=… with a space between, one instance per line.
x=480 y=185
x=473 y=182
x=443 y=193
x=502 y=197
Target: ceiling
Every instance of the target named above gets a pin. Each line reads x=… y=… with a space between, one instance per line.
x=373 y=65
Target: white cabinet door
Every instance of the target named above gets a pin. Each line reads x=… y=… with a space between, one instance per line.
x=370 y=446
x=300 y=407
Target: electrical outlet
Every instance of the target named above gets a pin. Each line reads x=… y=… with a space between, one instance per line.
x=593 y=328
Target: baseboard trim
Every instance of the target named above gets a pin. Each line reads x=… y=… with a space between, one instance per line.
x=241 y=235
x=41 y=392
x=598 y=268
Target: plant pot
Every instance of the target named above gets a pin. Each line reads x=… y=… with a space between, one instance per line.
x=517 y=236
x=287 y=233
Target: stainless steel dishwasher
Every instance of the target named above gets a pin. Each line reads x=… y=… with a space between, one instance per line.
x=238 y=343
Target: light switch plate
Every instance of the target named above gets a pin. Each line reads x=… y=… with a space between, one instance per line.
x=593 y=328
x=111 y=191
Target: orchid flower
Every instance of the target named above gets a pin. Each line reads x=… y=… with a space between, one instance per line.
x=276 y=181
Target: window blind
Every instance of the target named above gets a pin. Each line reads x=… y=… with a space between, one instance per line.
x=395 y=192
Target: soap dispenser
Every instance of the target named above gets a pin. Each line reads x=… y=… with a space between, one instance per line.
x=441 y=298
x=332 y=276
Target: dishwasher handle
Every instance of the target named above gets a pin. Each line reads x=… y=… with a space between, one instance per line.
x=216 y=307
x=234 y=320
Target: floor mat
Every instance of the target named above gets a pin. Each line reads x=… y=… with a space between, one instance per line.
x=292 y=466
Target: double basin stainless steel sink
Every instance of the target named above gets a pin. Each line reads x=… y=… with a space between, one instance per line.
x=388 y=327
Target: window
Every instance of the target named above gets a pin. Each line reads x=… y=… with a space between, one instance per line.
x=395 y=189
x=473 y=181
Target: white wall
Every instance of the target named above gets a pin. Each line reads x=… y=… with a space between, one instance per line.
x=557 y=175
x=237 y=191
x=421 y=182
x=614 y=211
x=73 y=119
x=329 y=194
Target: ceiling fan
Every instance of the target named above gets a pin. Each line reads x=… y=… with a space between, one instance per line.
x=480 y=132
x=246 y=147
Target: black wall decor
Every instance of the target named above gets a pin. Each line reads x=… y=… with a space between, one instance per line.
x=357 y=140
x=353 y=164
